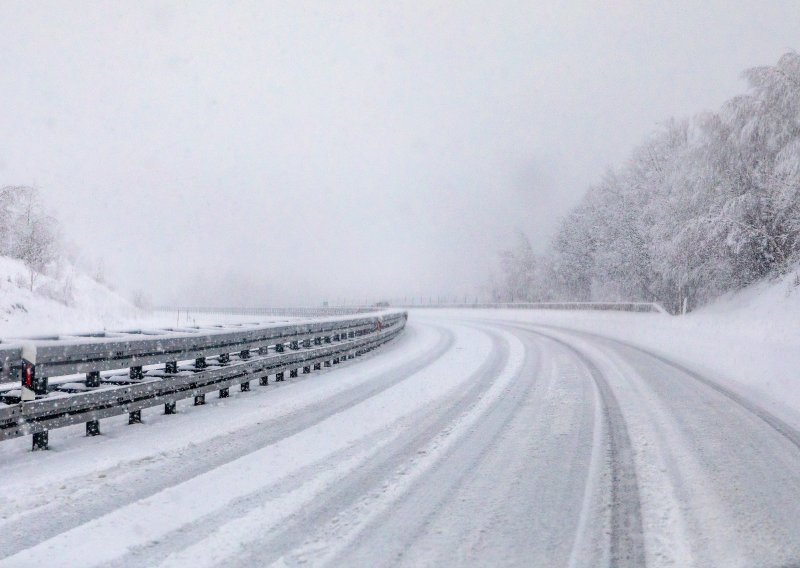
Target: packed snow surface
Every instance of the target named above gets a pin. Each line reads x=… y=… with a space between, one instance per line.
x=491 y=437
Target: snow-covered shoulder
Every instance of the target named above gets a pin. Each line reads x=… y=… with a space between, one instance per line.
x=747 y=340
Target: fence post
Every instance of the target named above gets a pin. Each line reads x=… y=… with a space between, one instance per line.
x=40 y=441
x=93 y=428
x=32 y=386
x=92 y=379
x=170 y=368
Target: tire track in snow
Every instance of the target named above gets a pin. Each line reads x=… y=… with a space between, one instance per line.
x=369 y=478
x=780 y=426
x=733 y=465
x=445 y=476
x=486 y=498
x=626 y=538
x=194 y=460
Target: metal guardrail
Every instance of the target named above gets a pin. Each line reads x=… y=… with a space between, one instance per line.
x=642 y=307
x=652 y=307
x=262 y=311
x=218 y=357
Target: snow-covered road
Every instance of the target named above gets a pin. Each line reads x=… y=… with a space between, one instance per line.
x=471 y=439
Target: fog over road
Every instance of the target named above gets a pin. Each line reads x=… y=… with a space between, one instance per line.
x=471 y=439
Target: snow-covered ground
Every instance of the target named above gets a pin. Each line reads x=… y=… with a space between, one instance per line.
x=476 y=438
x=749 y=340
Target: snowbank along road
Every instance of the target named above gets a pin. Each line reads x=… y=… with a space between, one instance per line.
x=469 y=440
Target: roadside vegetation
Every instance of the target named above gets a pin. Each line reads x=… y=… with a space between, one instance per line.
x=703 y=206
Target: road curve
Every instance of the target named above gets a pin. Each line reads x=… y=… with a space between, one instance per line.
x=465 y=442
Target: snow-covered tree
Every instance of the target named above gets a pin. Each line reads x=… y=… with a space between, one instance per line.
x=703 y=206
x=518 y=265
x=26 y=231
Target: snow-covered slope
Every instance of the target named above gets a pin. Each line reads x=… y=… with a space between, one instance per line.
x=749 y=339
x=767 y=310
x=69 y=302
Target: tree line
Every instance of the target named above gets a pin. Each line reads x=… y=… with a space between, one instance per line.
x=703 y=206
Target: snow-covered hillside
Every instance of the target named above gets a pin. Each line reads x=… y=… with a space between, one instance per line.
x=749 y=339
x=69 y=302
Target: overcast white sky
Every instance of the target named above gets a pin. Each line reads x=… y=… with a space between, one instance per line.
x=287 y=152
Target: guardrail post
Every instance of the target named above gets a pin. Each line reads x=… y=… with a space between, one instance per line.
x=294 y=345
x=199 y=399
x=171 y=367
x=264 y=381
x=306 y=344
x=328 y=363
x=92 y=380
x=327 y=339
x=32 y=386
x=292 y=373
x=170 y=407
x=317 y=341
x=224 y=358
x=93 y=428
x=306 y=369
x=279 y=377
x=244 y=354
x=245 y=386
x=279 y=348
x=136 y=373
x=224 y=393
x=135 y=417
x=40 y=441
x=200 y=363
x=317 y=366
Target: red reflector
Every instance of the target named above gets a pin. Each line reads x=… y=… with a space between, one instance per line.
x=27 y=375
